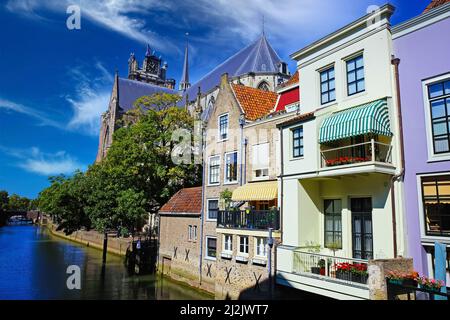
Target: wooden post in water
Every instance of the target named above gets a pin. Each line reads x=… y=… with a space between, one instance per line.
x=105 y=247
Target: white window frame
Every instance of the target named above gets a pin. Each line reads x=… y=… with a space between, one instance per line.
x=209 y=170
x=190 y=233
x=256 y=168
x=206 y=248
x=244 y=254
x=225 y=181
x=257 y=246
x=207 y=208
x=291 y=149
x=426 y=104
x=219 y=137
x=423 y=235
x=346 y=60
x=225 y=242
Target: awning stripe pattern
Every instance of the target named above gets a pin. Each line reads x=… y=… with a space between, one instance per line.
x=259 y=191
x=372 y=117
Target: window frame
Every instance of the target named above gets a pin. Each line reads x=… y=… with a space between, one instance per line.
x=301 y=145
x=355 y=71
x=225 y=242
x=257 y=246
x=209 y=170
x=207 y=209
x=246 y=245
x=225 y=178
x=219 y=137
x=328 y=91
x=207 y=256
x=333 y=215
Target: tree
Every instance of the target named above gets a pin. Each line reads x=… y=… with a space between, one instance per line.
x=3 y=200
x=18 y=203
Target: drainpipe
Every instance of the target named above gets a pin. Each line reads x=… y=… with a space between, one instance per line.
x=245 y=160
x=241 y=125
x=398 y=177
x=202 y=211
x=281 y=180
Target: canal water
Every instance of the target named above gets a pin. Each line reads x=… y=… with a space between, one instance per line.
x=33 y=265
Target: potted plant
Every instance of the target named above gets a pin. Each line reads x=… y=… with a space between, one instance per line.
x=343 y=271
x=403 y=278
x=359 y=273
x=319 y=268
x=430 y=284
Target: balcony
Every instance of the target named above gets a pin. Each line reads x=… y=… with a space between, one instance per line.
x=371 y=156
x=249 y=219
x=335 y=277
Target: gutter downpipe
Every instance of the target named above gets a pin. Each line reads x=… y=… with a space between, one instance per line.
x=202 y=212
x=398 y=177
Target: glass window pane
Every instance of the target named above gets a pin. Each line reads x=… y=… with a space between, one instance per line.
x=324 y=98
x=361 y=85
x=352 y=88
x=351 y=65
x=331 y=84
x=438 y=108
x=447 y=87
x=351 y=76
x=436 y=90
x=331 y=74
x=332 y=95
x=439 y=127
x=359 y=61
x=324 y=87
x=441 y=144
x=360 y=74
x=323 y=76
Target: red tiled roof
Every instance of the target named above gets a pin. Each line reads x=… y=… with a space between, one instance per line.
x=256 y=103
x=435 y=4
x=187 y=200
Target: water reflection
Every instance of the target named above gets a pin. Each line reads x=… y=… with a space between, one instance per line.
x=33 y=265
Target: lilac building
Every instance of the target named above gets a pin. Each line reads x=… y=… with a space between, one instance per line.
x=423 y=46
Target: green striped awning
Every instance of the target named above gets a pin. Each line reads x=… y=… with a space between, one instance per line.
x=372 y=117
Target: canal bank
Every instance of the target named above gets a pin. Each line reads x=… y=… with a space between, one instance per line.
x=34 y=262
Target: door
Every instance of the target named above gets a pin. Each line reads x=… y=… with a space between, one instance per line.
x=362 y=228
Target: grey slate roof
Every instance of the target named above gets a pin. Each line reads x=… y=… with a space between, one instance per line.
x=258 y=57
x=130 y=90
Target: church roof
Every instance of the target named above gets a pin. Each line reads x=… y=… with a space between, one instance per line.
x=258 y=57
x=131 y=90
x=254 y=102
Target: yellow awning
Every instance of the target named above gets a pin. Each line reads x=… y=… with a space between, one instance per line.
x=258 y=191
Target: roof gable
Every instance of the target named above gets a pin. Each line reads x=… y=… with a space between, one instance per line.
x=435 y=4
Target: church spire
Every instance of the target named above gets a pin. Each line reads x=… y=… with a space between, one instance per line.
x=184 y=83
x=148 y=53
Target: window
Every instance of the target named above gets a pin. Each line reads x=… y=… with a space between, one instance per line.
x=260 y=159
x=333 y=223
x=260 y=247
x=327 y=86
x=214 y=170
x=297 y=141
x=192 y=233
x=227 y=242
x=211 y=247
x=355 y=75
x=436 y=205
x=439 y=99
x=231 y=167
x=223 y=127
x=264 y=86
x=213 y=207
x=243 y=244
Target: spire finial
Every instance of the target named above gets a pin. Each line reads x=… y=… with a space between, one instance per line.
x=263 y=26
x=148 y=53
x=184 y=83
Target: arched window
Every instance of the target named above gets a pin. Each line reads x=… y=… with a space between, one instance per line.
x=264 y=86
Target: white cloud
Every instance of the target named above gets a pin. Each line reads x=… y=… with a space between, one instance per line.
x=36 y=161
x=92 y=94
x=9 y=105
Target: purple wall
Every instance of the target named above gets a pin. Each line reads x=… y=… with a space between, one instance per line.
x=423 y=54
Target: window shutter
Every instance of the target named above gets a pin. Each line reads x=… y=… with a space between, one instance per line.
x=260 y=156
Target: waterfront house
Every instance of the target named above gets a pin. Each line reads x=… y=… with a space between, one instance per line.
x=179 y=236
x=339 y=196
x=422 y=47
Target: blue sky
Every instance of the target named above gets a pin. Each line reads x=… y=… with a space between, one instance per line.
x=55 y=82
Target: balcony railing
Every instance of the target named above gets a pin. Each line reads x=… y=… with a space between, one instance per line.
x=249 y=219
x=348 y=271
x=372 y=151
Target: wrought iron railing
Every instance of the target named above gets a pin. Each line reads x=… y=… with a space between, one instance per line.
x=357 y=153
x=346 y=270
x=249 y=219
x=411 y=291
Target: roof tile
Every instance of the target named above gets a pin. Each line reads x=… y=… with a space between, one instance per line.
x=256 y=103
x=187 y=200
x=435 y=4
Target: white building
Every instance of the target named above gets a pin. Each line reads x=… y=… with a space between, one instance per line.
x=339 y=158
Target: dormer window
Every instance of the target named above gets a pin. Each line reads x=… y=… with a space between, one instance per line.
x=223 y=127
